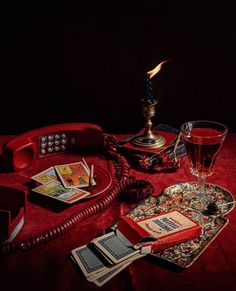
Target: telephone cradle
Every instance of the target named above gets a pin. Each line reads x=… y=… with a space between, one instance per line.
x=26 y=149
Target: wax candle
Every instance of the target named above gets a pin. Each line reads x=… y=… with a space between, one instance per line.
x=148 y=98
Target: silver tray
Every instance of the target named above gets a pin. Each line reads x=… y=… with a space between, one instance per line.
x=178 y=197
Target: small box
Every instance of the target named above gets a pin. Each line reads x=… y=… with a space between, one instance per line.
x=157 y=232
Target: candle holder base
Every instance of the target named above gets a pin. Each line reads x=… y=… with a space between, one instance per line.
x=149 y=140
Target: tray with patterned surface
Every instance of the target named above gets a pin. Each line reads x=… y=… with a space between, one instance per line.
x=177 y=197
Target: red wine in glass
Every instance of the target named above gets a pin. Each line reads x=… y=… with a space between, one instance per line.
x=203 y=140
x=202 y=150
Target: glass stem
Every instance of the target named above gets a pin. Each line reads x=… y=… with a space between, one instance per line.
x=201 y=183
x=202 y=190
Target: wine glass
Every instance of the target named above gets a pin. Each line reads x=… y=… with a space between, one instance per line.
x=203 y=140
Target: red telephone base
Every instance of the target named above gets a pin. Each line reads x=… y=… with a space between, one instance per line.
x=13 y=206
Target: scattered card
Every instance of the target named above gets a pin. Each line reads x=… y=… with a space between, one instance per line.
x=74 y=175
x=104 y=258
x=115 y=266
x=46 y=176
x=104 y=278
x=88 y=260
x=112 y=247
x=55 y=189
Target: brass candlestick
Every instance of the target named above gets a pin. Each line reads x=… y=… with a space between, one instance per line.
x=148 y=138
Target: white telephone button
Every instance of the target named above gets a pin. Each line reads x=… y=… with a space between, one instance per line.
x=43 y=138
x=50 y=149
x=43 y=152
x=57 y=148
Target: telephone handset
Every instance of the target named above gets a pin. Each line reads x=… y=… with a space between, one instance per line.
x=23 y=150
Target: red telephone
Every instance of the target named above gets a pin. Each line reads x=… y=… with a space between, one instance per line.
x=21 y=151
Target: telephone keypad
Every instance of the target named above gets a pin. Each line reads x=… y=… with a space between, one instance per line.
x=53 y=143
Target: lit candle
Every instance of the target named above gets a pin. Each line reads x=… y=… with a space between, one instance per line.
x=148 y=98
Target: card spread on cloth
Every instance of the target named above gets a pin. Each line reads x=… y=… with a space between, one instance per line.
x=67 y=183
x=103 y=258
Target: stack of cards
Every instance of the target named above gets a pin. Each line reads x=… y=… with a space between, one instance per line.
x=65 y=182
x=104 y=257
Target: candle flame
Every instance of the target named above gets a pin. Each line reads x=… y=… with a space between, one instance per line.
x=153 y=72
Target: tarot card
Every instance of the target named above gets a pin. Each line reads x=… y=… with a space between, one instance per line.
x=46 y=176
x=74 y=175
x=114 y=248
x=88 y=261
x=55 y=189
x=111 y=268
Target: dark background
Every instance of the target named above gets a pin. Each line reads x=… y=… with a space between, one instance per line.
x=64 y=63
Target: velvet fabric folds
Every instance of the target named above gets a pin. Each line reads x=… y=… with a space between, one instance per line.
x=48 y=266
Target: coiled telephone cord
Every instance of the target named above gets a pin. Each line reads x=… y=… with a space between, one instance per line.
x=131 y=189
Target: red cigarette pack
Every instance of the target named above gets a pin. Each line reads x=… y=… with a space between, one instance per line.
x=157 y=232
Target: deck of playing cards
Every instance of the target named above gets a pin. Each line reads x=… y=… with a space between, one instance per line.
x=64 y=182
x=104 y=257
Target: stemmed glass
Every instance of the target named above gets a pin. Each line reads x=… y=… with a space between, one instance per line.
x=203 y=140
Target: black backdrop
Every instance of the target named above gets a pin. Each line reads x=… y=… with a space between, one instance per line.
x=63 y=63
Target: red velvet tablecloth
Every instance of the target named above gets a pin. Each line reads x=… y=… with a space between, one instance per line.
x=48 y=266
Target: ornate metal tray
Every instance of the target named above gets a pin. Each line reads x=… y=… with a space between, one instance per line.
x=177 y=197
